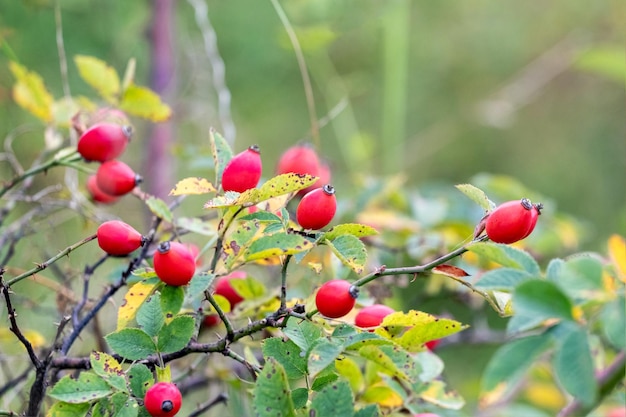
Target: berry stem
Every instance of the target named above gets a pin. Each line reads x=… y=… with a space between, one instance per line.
x=283 y=285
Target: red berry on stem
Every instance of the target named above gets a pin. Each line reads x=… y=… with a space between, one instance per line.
x=335 y=298
x=299 y=159
x=211 y=320
x=432 y=344
x=163 y=399
x=174 y=263
x=116 y=178
x=104 y=141
x=317 y=208
x=226 y=290
x=372 y=316
x=512 y=221
x=118 y=238
x=324 y=178
x=97 y=194
x=243 y=172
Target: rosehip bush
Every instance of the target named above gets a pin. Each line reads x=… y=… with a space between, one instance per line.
x=126 y=325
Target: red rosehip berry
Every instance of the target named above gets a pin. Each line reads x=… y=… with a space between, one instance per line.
x=226 y=290
x=324 y=177
x=335 y=298
x=97 y=194
x=299 y=159
x=512 y=221
x=174 y=263
x=243 y=172
x=211 y=320
x=118 y=238
x=104 y=141
x=116 y=178
x=432 y=344
x=317 y=208
x=163 y=399
x=372 y=316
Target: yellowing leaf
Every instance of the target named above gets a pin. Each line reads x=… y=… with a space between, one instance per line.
x=30 y=92
x=382 y=395
x=143 y=102
x=193 y=185
x=100 y=76
x=617 y=253
x=133 y=299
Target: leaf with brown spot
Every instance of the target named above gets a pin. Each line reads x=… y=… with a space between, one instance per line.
x=193 y=186
x=133 y=299
x=450 y=271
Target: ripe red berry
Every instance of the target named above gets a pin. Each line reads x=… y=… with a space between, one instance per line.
x=116 y=178
x=431 y=345
x=174 y=263
x=118 y=238
x=317 y=208
x=163 y=399
x=324 y=177
x=299 y=159
x=243 y=171
x=211 y=320
x=97 y=194
x=226 y=290
x=335 y=298
x=104 y=141
x=372 y=316
x=512 y=221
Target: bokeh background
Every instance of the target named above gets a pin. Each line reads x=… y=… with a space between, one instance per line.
x=427 y=93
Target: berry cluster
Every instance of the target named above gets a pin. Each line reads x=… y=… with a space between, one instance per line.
x=104 y=142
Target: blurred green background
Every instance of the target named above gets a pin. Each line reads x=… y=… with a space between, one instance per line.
x=438 y=90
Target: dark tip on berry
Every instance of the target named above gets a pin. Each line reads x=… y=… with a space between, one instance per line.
x=167 y=406
x=164 y=247
x=354 y=292
x=128 y=131
x=143 y=240
x=526 y=203
x=329 y=189
x=255 y=148
x=138 y=179
x=539 y=207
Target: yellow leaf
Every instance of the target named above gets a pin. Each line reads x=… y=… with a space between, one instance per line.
x=617 y=253
x=30 y=92
x=349 y=369
x=544 y=395
x=100 y=76
x=133 y=299
x=193 y=185
x=382 y=395
x=143 y=102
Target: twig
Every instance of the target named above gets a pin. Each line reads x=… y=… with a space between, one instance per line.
x=283 y=285
x=221 y=398
x=254 y=370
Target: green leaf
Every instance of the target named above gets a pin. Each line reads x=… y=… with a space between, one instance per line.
x=109 y=369
x=64 y=409
x=535 y=301
x=333 y=401
x=354 y=229
x=193 y=186
x=198 y=284
x=150 y=317
x=299 y=396
x=276 y=245
x=270 y=396
x=100 y=76
x=140 y=378
x=505 y=255
x=503 y=279
x=413 y=329
x=176 y=334
x=322 y=354
x=160 y=209
x=368 y=411
x=145 y=103
x=132 y=344
x=581 y=278
x=303 y=333
x=261 y=216
x=288 y=354
x=392 y=360
x=222 y=153
x=431 y=365
x=350 y=370
x=236 y=243
x=133 y=299
x=573 y=365
x=172 y=298
x=553 y=271
x=30 y=93
x=350 y=251
x=86 y=388
x=613 y=322
x=248 y=288
x=279 y=185
x=477 y=195
x=606 y=60
x=508 y=365
x=327 y=376
x=436 y=394
x=123 y=405
x=196 y=225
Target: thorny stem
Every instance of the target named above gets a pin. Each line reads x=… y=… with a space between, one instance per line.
x=220 y=312
x=254 y=370
x=221 y=398
x=42 y=266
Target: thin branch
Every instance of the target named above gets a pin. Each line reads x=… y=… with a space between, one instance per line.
x=61 y=50
x=304 y=72
x=202 y=408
